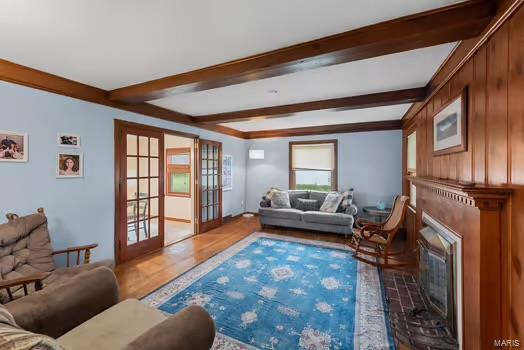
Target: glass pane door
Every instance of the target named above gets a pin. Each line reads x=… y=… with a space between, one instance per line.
x=210 y=185
x=141 y=159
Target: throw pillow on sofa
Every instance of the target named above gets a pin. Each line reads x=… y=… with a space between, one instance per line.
x=331 y=202
x=307 y=204
x=280 y=199
x=347 y=200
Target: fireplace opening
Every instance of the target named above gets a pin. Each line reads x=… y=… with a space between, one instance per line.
x=436 y=273
x=440 y=272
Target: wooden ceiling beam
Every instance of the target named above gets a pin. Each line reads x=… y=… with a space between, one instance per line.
x=448 y=24
x=22 y=75
x=344 y=103
x=325 y=129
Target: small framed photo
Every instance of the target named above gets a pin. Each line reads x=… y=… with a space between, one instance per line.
x=68 y=140
x=69 y=165
x=450 y=126
x=13 y=146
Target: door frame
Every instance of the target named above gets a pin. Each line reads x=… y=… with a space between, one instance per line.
x=119 y=125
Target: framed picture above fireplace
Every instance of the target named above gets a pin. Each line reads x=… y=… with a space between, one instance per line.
x=450 y=126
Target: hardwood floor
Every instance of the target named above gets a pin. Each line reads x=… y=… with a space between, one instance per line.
x=140 y=276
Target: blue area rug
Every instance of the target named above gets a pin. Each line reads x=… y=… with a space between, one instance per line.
x=275 y=292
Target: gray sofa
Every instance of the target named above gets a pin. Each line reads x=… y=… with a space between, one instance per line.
x=339 y=222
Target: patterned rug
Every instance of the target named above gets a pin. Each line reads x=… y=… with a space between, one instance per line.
x=275 y=292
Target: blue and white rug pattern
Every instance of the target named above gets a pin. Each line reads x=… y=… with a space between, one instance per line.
x=275 y=292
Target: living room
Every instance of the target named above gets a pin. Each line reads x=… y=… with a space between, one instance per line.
x=356 y=182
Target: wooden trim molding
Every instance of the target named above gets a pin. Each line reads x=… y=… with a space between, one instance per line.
x=326 y=129
x=344 y=103
x=443 y=25
x=476 y=195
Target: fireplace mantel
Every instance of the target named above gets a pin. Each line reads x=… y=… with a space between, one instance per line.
x=480 y=196
x=477 y=214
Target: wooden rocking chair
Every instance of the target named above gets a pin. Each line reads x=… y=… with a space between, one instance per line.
x=374 y=240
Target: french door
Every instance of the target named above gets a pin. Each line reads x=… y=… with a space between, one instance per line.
x=210 y=192
x=140 y=190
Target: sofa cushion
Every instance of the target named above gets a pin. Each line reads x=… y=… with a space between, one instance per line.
x=295 y=195
x=114 y=328
x=280 y=199
x=307 y=204
x=64 y=274
x=283 y=213
x=320 y=197
x=331 y=202
x=320 y=217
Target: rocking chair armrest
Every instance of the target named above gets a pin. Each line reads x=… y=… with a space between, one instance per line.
x=361 y=222
x=368 y=231
x=75 y=249
x=24 y=281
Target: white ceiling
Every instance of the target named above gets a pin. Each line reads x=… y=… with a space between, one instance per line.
x=114 y=43
x=392 y=72
x=323 y=117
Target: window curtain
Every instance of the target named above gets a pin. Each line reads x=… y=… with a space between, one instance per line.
x=313 y=156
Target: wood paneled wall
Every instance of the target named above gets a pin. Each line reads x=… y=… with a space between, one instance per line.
x=494 y=77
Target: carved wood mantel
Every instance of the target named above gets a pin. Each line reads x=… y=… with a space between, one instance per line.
x=480 y=196
x=480 y=216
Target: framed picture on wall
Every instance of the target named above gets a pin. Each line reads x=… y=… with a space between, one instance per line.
x=227 y=172
x=450 y=126
x=13 y=146
x=68 y=140
x=69 y=165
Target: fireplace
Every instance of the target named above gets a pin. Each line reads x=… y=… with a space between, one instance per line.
x=440 y=272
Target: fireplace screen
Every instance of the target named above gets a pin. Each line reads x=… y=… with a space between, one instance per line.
x=435 y=271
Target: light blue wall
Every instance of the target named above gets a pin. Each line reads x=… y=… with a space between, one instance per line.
x=370 y=162
x=81 y=210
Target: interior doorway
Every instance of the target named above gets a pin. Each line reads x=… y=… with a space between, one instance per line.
x=168 y=187
x=180 y=198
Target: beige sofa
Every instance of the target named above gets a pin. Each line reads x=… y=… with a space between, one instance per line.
x=85 y=314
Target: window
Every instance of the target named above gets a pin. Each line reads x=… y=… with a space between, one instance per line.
x=412 y=166
x=313 y=165
x=178 y=172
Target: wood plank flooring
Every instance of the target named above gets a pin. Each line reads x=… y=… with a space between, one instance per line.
x=141 y=276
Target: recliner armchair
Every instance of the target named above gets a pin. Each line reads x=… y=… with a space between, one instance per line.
x=27 y=257
x=85 y=313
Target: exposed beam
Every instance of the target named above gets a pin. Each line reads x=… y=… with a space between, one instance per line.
x=344 y=103
x=22 y=75
x=452 y=23
x=325 y=129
